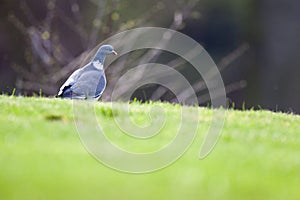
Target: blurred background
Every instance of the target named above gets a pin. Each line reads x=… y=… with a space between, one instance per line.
x=255 y=44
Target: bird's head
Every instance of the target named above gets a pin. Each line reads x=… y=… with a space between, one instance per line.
x=102 y=52
x=106 y=50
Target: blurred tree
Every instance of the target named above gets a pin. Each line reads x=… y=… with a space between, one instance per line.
x=280 y=47
x=49 y=28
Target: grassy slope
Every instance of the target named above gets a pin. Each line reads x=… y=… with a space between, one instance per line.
x=41 y=157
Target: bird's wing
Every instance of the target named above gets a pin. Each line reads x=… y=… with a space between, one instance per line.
x=70 y=81
x=88 y=83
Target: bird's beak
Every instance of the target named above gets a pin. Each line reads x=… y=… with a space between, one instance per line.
x=114 y=52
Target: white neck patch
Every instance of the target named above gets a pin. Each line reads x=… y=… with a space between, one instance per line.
x=97 y=64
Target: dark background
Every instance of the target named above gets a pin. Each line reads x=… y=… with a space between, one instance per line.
x=255 y=43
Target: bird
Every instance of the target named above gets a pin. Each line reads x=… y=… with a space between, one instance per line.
x=88 y=82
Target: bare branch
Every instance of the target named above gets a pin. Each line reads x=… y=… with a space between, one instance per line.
x=233 y=56
x=229 y=89
x=96 y=23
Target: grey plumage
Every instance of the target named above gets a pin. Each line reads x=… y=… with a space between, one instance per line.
x=88 y=82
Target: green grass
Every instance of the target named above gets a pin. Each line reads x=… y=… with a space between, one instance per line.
x=41 y=155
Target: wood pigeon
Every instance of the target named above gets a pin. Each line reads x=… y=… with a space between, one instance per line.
x=88 y=82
